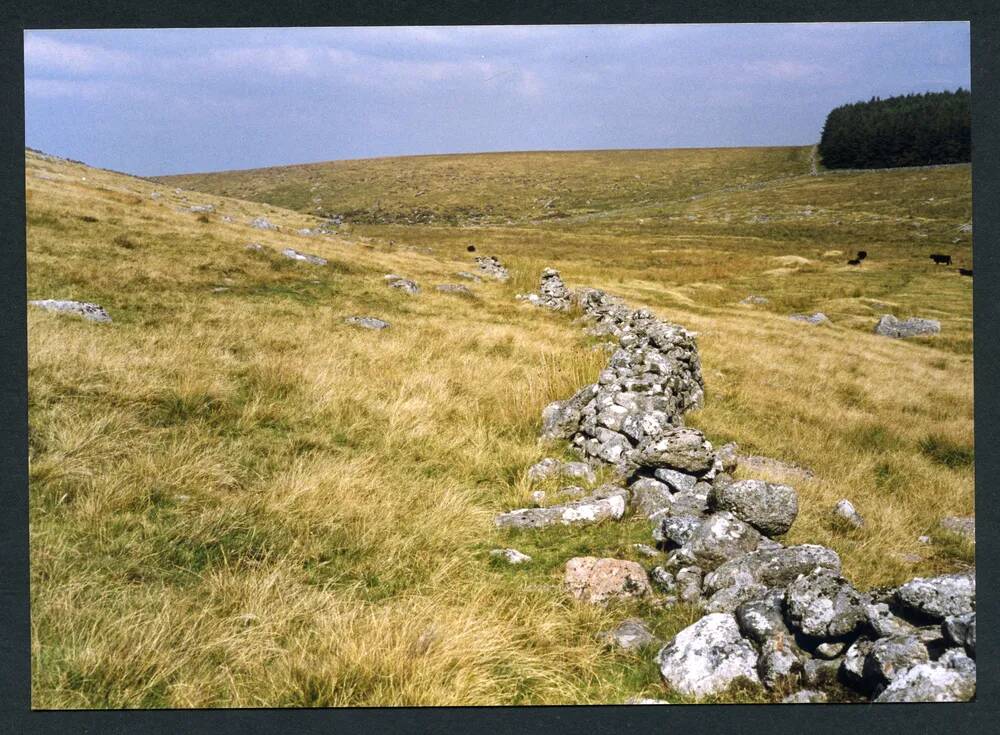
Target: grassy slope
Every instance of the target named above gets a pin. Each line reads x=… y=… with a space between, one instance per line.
x=238 y=500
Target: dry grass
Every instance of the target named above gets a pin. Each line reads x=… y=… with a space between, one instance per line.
x=239 y=500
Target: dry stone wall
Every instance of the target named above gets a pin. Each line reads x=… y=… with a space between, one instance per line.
x=782 y=617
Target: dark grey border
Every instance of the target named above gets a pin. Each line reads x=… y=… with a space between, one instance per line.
x=15 y=714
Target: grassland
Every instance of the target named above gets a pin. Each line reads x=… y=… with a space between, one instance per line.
x=239 y=500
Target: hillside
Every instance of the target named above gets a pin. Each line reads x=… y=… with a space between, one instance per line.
x=238 y=499
x=498 y=188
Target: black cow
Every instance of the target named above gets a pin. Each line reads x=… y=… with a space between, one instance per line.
x=966 y=272
x=854 y=262
x=938 y=259
x=471 y=248
x=862 y=254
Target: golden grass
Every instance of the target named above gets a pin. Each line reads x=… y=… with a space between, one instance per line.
x=239 y=500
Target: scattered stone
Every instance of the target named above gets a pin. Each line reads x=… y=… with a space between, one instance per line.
x=823 y=605
x=805 y=696
x=939 y=597
x=598 y=581
x=708 y=657
x=367 y=322
x=930 y=682
x=90 y=312
x=768 y=507
x=890 y=326
x=201 y=208
x=817 y=318
x=455 y=288
x=262 y=224
x=305 y=257
x=962 y=526
x=255 y=246
x=751 y=299
x=491 y=268
x=630 y=635
x=403 y=284
x=588 y=510
x=923 y=540
x=511 y=556
x=845 y=510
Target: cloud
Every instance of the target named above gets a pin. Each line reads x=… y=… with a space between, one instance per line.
x=44 y=52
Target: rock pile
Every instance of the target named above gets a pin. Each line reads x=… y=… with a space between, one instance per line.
x=91 y=312
x=890 y=326
x=490 y=267
x=776 y=616
x=554 y=294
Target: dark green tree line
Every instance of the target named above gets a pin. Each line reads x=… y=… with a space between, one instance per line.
x=910 y=130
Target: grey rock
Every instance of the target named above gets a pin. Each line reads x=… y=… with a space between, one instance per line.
x=763 y=618
x=402 y=284
x=304 y=257
x=367 y=322
x=679 y=449
x=960 y=630
x=817 y=318
x=255 y=246
x=561 y=419
x=831 y=649
x=676 y=531
x=689 y=584
x=773 y=567
x=930 y=682
x=262 y=224
x=585 y=511
x=883 y=623
x=890 y=657
x=939 y=597
x=768 y=507
x=550 y=468
x=707 y=657
x=554 y=294
x=817 y=672
x=650 y=496
x=629 y=635
x=676 y=481
x=956 y=658
x=721 y=537
x=729 y=599
x=963 y=526
x=890 y=326
x=647 y=550
x=853 y=664
x=511 y=556
x=823 y=605
x=845 y=510
x=727 y=457
x=90 y=312
x=663 y=579
x=490 y=267
x=456 y=288
x=779 y=663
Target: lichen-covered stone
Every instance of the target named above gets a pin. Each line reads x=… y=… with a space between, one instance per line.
x=707 y=657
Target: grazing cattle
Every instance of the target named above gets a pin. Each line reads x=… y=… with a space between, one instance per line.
x=938 y=259
x=966 y=272
x=854 y=262
x=862 y=254
x=471 y=248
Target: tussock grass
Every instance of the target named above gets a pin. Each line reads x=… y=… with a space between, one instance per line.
x=239 y=500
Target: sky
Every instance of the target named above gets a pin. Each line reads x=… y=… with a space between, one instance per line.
x=160 y=101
